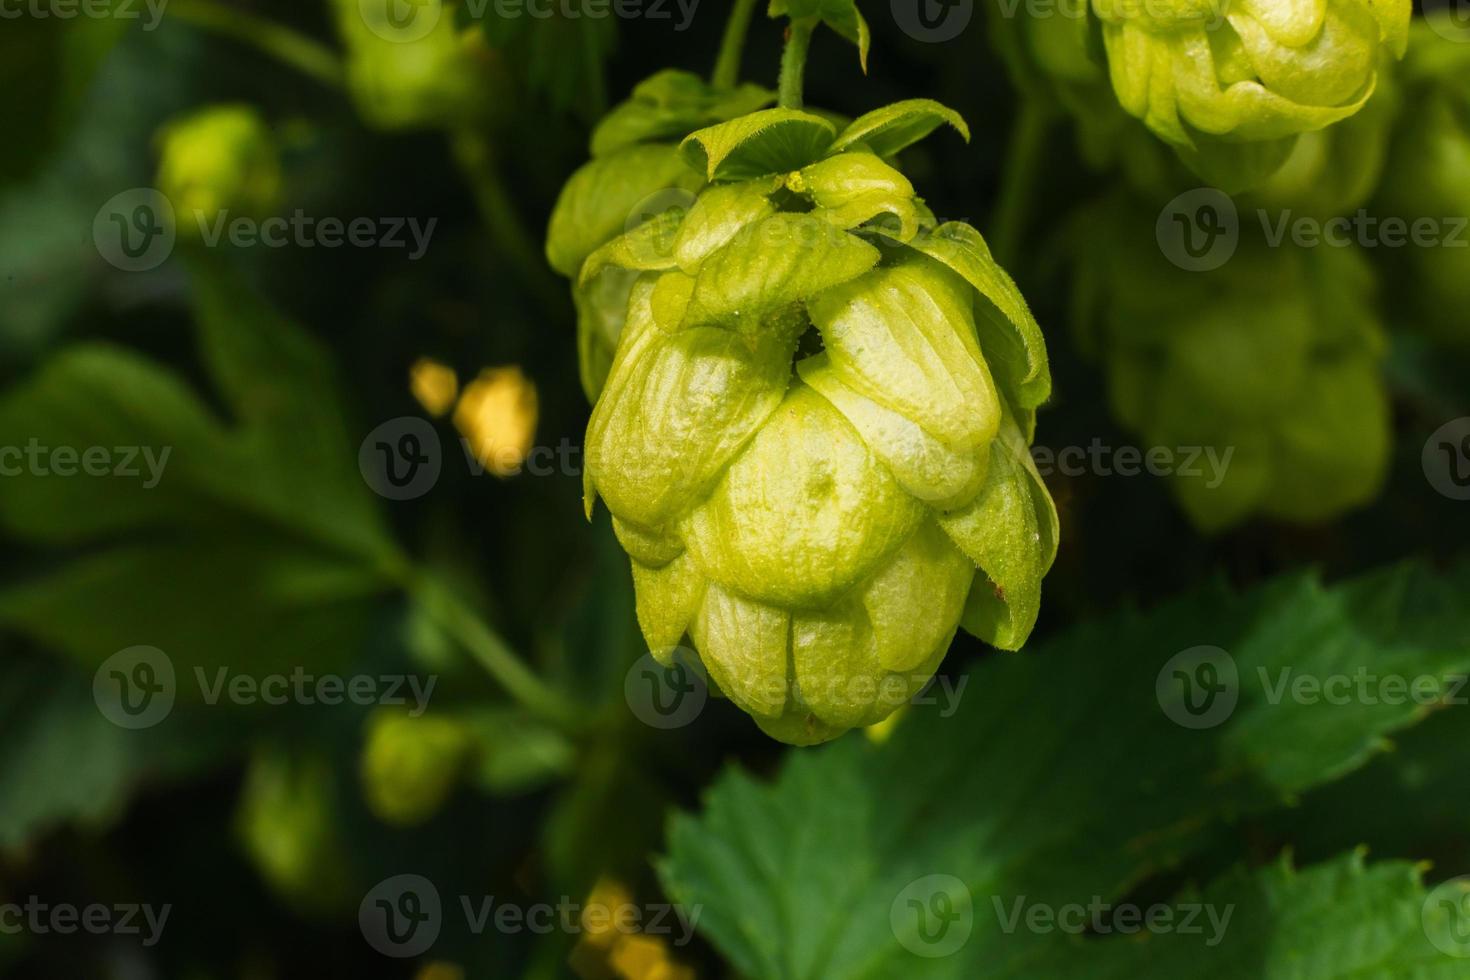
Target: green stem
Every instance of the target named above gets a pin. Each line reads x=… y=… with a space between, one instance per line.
x=793 y=62
x=727 y=65
x=457 y=620
x=477 y=163
x=282 y=43
x=1023 y=167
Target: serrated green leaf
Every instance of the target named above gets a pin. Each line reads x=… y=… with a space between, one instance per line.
x=772 y=141
x=1023 y=801
x=1343 y=919
x=256 y=546
x=887 y=130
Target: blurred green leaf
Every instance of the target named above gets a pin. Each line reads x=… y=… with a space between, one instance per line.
x=515 y=753
x=46 y=65
x=254 y=546
x=1016 y=794
x=561 y=58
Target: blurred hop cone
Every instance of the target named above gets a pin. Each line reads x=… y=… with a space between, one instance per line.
x=417 y=71
x=1269 y=362
x=411 y=765
x=220 y=162
x=815 y=425
x=288 y=819
x=1429 y=180
x=1232 y=83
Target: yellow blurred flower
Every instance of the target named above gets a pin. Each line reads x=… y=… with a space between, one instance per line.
x=434 y=384
x=441 y=971
x=612 y=945
x=497 y=415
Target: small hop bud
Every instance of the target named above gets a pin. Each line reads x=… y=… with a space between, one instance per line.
x=219 y=160
x=410 y=765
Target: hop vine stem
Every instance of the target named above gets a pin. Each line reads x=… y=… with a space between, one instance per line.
x=1023 y=164
x=732 y=46
x=793 y=63
x=280 y=42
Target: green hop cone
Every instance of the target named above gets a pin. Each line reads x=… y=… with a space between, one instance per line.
x=288 y=820
x=410 y=765
x=223 y=159
x=1304 y=439
x=418 y=71
x=1231 y=84
x=816 y=423
x=635 y=172
x=1427 y=184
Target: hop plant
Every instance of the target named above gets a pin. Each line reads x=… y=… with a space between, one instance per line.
x=410 y=765
x=1304 y=438
x=1429 y=159
x=220 y=159
x=419 y=73
x=815 y=425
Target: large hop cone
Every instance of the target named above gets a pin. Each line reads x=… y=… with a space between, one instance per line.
x=815 y=426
